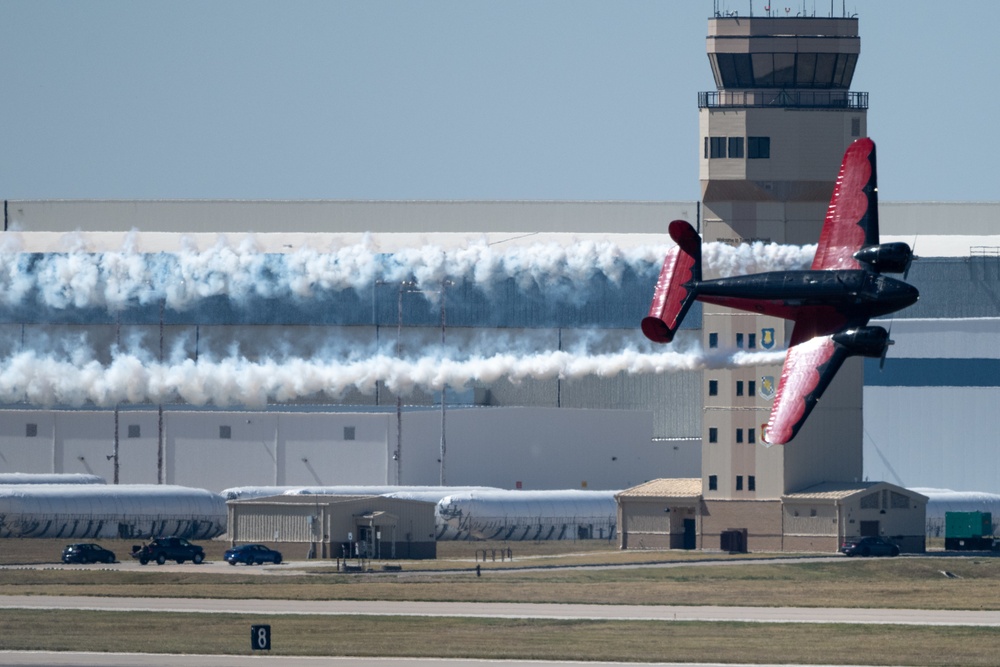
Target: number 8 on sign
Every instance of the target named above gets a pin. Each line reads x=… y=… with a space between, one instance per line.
x=260 y=637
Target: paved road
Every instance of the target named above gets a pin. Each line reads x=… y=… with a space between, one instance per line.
x=949 y=617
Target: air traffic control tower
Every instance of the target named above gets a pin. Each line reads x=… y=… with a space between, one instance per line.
x=772 y=137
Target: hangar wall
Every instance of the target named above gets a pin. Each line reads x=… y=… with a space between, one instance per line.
x=944 y=440
x=319 y=216
x=931 y=411
x=531 y=448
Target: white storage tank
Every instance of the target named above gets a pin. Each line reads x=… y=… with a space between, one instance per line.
x=527 y=515
x=49 y=478
x=425 y=493
x=78 y=511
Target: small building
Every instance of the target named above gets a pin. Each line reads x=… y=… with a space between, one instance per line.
x=338 y=526
x=660 y=514
x=672 y=514
x=820 y=517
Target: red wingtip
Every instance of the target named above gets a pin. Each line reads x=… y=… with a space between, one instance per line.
x=656 y=330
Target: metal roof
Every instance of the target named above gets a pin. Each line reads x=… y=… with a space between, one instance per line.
x=842 y=490
x=683 y=487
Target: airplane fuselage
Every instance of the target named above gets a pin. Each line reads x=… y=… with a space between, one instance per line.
x=857 y=294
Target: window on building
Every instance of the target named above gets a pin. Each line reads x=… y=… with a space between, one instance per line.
x=713 y=482
x=713 y=340
x=348 y=433
x=752 y=435
x=739 y=482
x=31 y=430
x=758 y=148
x=855 y=127
x=751 y=483
x=736 y=147
x=716 y=147
x=752 y=388
x=133 y=431
x=713 y=434
x=739 y=340
x=739 y=387
x=225 y=432
x=898 y=501
x=752 y=341
x=739 y=435
x=713 y=387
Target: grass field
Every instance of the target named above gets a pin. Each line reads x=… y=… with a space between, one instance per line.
x=635 y=641
x=882 y=583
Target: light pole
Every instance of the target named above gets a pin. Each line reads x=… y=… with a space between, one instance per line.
x=160 y=478
x=403 y=287
x=444 y=387
x=397 y=454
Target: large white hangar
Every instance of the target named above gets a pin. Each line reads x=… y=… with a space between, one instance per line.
x=545 y=431
x=229 y=358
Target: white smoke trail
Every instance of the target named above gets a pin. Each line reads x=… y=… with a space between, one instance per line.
x=65 y=370
x=115 y=280
x=756 y=257
x=236 y=381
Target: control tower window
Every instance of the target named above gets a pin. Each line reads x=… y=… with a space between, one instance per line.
x=783 y=70
x=715 y=147
x=736 y=147
x=763 y=68
x=758 y=148
x=734 y=70
x=805 y=74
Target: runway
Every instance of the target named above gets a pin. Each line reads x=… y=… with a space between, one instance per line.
x=662 y=613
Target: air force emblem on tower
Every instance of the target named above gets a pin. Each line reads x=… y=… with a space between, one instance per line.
x=767 y=386
x=767 y=338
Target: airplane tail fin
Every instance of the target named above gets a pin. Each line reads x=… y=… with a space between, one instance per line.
x=676 y=288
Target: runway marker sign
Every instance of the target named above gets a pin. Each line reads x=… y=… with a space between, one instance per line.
x=260 y=637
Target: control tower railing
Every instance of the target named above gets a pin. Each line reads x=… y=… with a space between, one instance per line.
x=803 y=99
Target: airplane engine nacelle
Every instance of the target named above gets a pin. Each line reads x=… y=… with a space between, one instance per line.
x=865 y=341
x=886 y=257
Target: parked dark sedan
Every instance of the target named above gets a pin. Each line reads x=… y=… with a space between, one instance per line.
x=162 y=549
x=869 y=546
x=87 y=553
x=252 y=554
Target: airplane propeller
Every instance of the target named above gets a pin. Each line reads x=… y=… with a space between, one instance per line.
x=909 y=260
x=885 y=350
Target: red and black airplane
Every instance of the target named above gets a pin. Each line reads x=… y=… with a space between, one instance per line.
x=831 y=303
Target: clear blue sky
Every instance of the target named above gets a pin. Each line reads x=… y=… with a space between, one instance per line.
x=456 y=99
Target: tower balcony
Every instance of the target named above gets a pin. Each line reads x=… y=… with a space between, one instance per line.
x=782 y=99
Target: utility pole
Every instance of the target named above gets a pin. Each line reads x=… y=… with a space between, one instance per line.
x=444 y=387
x=159 y=425
x=399 y=398
x=115 y=448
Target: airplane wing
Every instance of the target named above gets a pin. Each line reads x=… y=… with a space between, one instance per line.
x=851 y=221
x=809 y=368
x=813 y=358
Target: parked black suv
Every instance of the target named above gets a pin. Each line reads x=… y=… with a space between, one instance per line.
x=163 y=549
